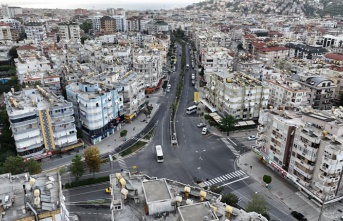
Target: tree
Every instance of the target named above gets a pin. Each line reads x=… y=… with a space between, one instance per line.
x=32 y=166
x=14 y=165
x=202 y=72
x=86 y=26
x=267 y=179
x=217 y=189
x=257 y=204
x=92 y=159
x=227 y=123
x=77 y=167
x=230 y=199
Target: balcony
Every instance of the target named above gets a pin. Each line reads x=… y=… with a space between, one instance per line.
x=304 y=164
x=327 y=178
x=325 y=188
x=260 y=143
x=303 y=173
x=310 y=136
x=330 y=169
x=261 y=128
x=303 y=182
x=326 y=159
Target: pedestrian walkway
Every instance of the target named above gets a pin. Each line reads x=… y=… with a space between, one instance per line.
x=122 y=163
x=284 y=191
x=229 y=145
x=224 y=178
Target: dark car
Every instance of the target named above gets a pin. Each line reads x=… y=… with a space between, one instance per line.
x=298 y=216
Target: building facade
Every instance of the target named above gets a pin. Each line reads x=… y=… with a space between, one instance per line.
x=69 y=31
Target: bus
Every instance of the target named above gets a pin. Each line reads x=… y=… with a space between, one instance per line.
x=191 y=109
x=159 y=154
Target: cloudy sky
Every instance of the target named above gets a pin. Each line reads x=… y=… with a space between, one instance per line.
x=96 y=4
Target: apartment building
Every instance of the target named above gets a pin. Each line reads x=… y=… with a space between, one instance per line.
x=41 y=122
x=108 y=24
x=121 y=23
x=5 y=32
x=69 y=31
x=133 y=94
x=216 y=58
x=136 y=23
x=322 y=90
x=15 y=24
x=96 y=23
x=97 y=107
x=29 y=60
x=236 y=94
x=10 y=11
x=305 y=147
x=35 y=31
x=148 y=64
x=287 y=93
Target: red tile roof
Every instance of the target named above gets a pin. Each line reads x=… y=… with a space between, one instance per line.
x=26 y=47
x=276 y=48
x=334 y=56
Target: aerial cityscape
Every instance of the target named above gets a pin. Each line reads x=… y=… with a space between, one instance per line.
x=216 y=110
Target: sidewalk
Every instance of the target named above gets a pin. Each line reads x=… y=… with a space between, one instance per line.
x=284 y=191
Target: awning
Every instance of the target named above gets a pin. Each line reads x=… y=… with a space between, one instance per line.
x=130 y=116
x=212 y=109
x=216 y=117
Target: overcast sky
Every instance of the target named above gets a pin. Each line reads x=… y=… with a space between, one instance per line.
x=98 y=4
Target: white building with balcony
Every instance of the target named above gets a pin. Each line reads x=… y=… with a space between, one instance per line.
x=236 y=94
x=97 y=108
x=35 y=31
x=41 y=122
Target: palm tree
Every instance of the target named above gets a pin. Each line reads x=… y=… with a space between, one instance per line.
x=227 y=123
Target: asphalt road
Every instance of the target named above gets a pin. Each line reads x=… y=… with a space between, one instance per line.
x=196 y=157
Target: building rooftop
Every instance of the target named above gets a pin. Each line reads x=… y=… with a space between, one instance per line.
x=160 y=198
x=31 y=99
x=18 y=195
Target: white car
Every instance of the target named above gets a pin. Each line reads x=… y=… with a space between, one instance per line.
x=201 y=125
x=204 y=131
x=193 y=76
x=252 y=137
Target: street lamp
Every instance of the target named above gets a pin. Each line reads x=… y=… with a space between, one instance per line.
x=200 y=159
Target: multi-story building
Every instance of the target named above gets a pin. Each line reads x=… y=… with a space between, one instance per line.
x=96 y=23
x=29 y=60
x=5 y=32
x=236 y=94
x=149 y=65
x=216 y=58
x=133 y=94
x=108 y=24
x=97 y=108
x=287 y=93
x=135 y=23
x=322 y=90
x=69 y=31
x=306 y=147
x=15 y=24
x=121 y=23
x=41 y=122
x=35 y=31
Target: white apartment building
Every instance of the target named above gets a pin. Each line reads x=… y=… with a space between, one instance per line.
x=41 y=122
x=69 y=31
x=216 y=58
x=5 y=32
x=121 y=22
x=10 y=11
x=133 y=94
x=236 y=94
x=149 y=65
x=287 y=93
x=29 y=60
x=15 y=23
x=305 y=147
x=35 y=31
x=98 y=109
x=96 y=23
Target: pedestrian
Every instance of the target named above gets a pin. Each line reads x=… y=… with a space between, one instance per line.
x=134 y=128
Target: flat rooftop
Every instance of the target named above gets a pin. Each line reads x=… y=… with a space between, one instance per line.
x=197 y=212
x=156 y=190
x=14 y=199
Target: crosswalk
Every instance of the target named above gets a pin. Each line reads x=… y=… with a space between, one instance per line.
x=229 y=145
x=224 y=177
x=121 y=162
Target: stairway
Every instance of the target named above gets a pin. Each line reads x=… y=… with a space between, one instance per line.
x=46 y=127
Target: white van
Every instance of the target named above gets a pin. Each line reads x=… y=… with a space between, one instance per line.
x=159 y=154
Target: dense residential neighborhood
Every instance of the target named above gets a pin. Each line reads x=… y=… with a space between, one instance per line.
x=245 y=98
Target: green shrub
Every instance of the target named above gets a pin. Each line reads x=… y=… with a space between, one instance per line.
x=123 y=133
x=87 y=182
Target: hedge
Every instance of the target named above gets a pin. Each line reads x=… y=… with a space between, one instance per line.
x=87 y=182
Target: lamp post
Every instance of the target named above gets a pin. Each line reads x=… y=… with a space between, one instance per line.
x=200 y=159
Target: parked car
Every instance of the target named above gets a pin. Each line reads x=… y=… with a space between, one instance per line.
x=252 y=137
x=298 y=216
x=201 y=125
x=204 y=131
x=108 y=190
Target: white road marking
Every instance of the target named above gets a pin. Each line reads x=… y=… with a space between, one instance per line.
x=232 y=141
x=235 y=181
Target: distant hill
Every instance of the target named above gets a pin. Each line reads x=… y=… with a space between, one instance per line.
x=285 y=7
